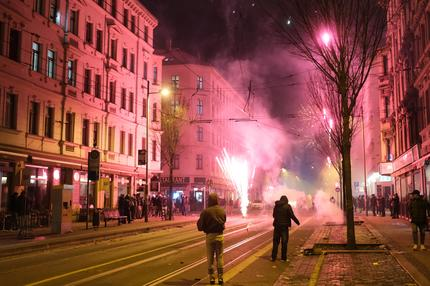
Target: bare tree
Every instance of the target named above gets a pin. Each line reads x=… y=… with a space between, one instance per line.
x=173 y=118
x=341 y=39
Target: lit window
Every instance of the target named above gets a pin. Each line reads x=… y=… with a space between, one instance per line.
x=35 y=56
x=175 y=81
x=199 y=82
x=51 y=64
x=199 y=107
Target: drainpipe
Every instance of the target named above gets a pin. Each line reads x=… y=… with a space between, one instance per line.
x=64 y=83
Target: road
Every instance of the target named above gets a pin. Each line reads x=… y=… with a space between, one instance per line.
x=174 y=256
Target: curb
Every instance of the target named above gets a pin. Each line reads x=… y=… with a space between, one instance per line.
x=72 y=241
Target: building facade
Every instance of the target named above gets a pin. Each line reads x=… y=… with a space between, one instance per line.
x=408 y=125
x=214 y=108
x=74 y=77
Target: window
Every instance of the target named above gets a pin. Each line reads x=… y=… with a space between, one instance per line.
x=123 y=98
x=70 y=126
x=10 y=116
x=49 y=122
x=200 y=134
x=145 y=33
x=385 y=64
x=130 y=144
x=89 y=33
x=33 y=118
x=113 y=48
x=111 y=138
x=154 y=111
x=133 y=24
x=54 y=14
x=71 y=72
x=131 y=102
x=145 y=70
x=86 y=132
x=388 y=146
x=125 y=20
x=124 y=58
x=199 y=106
x=199 y=162
x=87 y=81
x=2 y=33
x=154 y=150
x=39 y=6
x=98 y=86
x=175 y=81
x=101 y=3
x=14 y=45
x=112 y=91
x=99 y=41
x=387 y=106
x=96 y=131
x=175 y=161
x=113 y=8
x=74 y=22
x=50 y=64
x=155 y=75
x=132 y=63
x=35 y=56
x=199 y=82
x=144 y=107
x=122 y=142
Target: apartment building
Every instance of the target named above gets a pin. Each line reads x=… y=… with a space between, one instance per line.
x=408 y=125
x=73 y=78
x=214 y=109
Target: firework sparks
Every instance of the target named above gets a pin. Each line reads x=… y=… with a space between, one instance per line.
x=236 y=171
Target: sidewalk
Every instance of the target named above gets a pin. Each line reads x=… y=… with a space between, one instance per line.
x=375 y=262
x=43 y=238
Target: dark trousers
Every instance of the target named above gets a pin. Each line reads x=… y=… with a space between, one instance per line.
x=280 y=234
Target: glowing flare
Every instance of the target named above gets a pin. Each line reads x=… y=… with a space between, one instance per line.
x=236 y=171
x=325 y=37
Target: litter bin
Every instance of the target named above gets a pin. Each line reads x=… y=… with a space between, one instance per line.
x=96 y=218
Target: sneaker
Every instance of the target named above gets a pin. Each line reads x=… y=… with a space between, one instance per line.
x=220 y=281
x=212 y=281
x=415 y=247
x=423 y=247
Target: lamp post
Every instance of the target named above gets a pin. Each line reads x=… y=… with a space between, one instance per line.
x=164 y=92
x=364 y=163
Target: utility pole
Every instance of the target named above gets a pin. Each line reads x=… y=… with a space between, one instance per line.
x=364 y=162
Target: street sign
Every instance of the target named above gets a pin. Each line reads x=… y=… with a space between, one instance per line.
x=141 y=157
x=94 y=165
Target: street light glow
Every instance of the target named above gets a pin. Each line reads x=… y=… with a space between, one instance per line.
x=326 y=38
x=165 y=91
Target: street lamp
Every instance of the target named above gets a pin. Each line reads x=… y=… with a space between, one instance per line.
x=164 y=92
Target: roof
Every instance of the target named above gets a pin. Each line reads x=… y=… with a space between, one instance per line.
x=178 y=57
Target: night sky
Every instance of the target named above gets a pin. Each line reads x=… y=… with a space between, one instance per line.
x=237 y=34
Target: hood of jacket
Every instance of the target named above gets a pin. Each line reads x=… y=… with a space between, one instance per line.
x=212 y=199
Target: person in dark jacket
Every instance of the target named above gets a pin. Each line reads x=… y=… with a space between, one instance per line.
x=396 y=206
x=418 y=210
x=212 y=222
x=282 y=216
x=373 y=203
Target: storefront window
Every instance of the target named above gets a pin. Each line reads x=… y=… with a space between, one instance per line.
x=123 y=185
x=4 y=191
x=37 y=195
x=427 y=180
x=417 y=181
x=83 y=192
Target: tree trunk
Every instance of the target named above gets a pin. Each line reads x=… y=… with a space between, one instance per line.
x=170 y=198
x=346 y=165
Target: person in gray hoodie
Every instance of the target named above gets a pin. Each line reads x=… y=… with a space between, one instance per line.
x=282 y=216
x=212 y=221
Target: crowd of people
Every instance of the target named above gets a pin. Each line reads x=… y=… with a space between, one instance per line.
x=378 y=204
x=133 y=206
